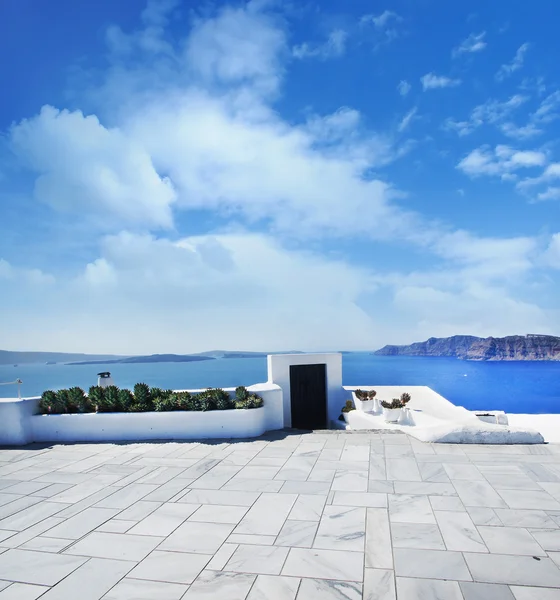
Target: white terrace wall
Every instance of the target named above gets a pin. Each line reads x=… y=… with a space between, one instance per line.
x=19 y=423
x=279 y=373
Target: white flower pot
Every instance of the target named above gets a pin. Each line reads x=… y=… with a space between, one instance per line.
x=345 y=415
x=363 y=405
x=376 y=407
x=392 y=415
x=405 y=417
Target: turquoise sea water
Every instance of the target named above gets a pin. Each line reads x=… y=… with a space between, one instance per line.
x=516 y=387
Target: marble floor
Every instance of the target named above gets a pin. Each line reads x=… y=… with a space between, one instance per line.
x=330 y=515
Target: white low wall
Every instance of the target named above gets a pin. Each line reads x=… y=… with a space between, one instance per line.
x=20 y=425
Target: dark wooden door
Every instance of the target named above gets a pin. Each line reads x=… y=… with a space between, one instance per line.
x=308 y=396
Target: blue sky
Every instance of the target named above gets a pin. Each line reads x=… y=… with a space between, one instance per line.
x=179 y=176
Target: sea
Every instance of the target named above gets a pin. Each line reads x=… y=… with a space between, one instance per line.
x=515 y=387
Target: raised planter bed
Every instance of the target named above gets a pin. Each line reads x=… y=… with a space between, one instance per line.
x=175 y=425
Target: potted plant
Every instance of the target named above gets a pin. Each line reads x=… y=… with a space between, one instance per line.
x=364 y=400
x=392 y=411
x=348 y=407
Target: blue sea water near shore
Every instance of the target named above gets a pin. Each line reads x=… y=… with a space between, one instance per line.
x=516 y=387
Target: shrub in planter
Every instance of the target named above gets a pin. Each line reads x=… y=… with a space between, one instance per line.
x=392 y=410
x=220 y=397
x=96 y=395
x=143 y=401
x=126 y=400
x=252 y=401
x=184 y=400
x=204 y=401
x=166 y=403
x=78 y=402
x=405 y=398
x=241 y=393
x=49 y=404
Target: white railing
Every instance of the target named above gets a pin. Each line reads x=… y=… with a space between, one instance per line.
x=17 y=382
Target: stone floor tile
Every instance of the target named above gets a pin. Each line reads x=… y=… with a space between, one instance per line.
x=446 y=503
x=40 y=568
x=382 y=487
x=535 y=593
x=91 y=581
x=379 y=552
x=513 y=570
x=121 y=546
x=526 y=518
x=341 y=528
x=25 y=487
x=216 y=477
x=324 y=564
x=433 y=472
x=116 y=526
x=410 y=509
x=200 y=538
x=428 y=589
x=216 y=513
x=424 y=488
x=366 y=499
x=267 y=515
x=478 y=493
x=4 y=535
x=311 y=589
x=274 y=587
x=377 y=468
x=28 y=534
x=164 y=520
x=266 y=560
x=484 y=516
x=350 y=481
x=81 y=524
x=485 y=591
x=459 y=532
x=252 y=471
x=168 y=491
x=326 y=475
x=549 y=539
x=259 y=540
x=239 y=484
x=137 y=589
x=510 y=540
x=172 y=567
x=23 y=591
x=30 y=516
x=221 y=497
x=127 y=496
x=308 y=507
x=219 y=560
x=463 y=471
x=46 y=544
x=305 y=487
x=417 y=535
x=402 y=469
x=431 y=564
x=529 y=499
x=218 y=584
x=379 y=584
x=298 y=534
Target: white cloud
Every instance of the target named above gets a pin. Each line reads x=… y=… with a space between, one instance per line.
x=382 y=20
x=430 y=81
x=552 y=255
x=404 y=87
x=520 y=133
x=17 y=276
x=407 y=119
x=551 y=193
x=84 y=167
x=508 y=69
x=503 y=161
x=551 y=173
x=490 y=112
x=334 y=47
x=474 y=43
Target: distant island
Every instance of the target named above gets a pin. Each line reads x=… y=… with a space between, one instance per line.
x=470 y=347
x=8 y=357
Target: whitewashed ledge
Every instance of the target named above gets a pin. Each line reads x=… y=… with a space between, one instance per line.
x=21 y=425
x=436 y=420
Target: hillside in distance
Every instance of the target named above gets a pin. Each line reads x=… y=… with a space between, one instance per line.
x=9 y=357
x=469 y=347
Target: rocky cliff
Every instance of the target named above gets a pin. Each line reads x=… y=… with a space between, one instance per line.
x=469 y=347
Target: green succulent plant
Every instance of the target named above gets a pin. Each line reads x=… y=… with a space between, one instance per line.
x=96 y=394
x=349 y=406
x=49 y=405
x=405 y=398
x=143 y=401
x=78 y=401
x=125 y=400
x=241 y=393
